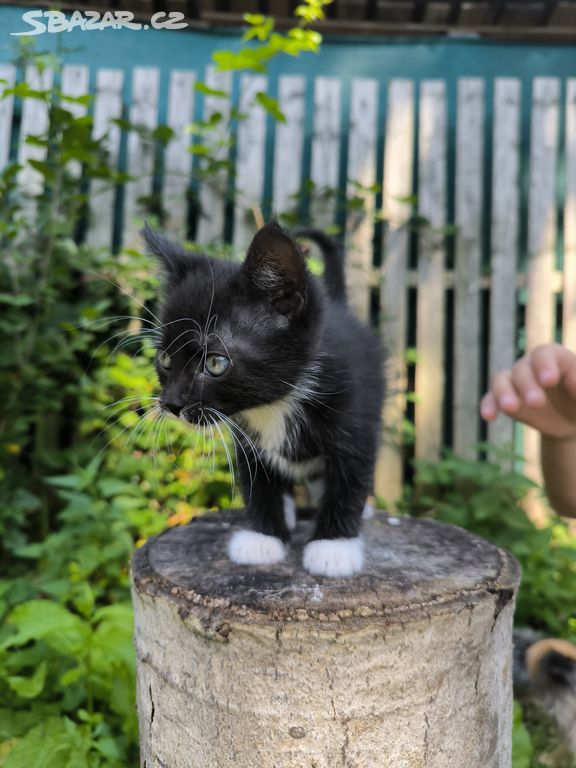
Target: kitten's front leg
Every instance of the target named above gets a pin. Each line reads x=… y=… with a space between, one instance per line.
x=336 y=549
x=263 y=543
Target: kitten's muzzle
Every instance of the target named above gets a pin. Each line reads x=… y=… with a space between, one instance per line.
x=174 y=408
x=191 y=414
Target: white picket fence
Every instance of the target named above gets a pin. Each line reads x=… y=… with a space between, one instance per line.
x=406 y=145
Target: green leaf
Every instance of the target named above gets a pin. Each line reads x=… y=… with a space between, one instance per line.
x=163 y=134
x=22 y=300
x=207 y=91
x=44 y=169
x=55 y=743
x=17 y=722
x=254 y=19
x=29 y=687
x=522 y=749
x=271 y=106
x=55 y=625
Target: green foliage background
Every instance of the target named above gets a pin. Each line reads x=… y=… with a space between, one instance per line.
x=90 y=469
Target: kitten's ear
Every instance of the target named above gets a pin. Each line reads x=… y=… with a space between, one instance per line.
x=275 y=265
x=175 y=261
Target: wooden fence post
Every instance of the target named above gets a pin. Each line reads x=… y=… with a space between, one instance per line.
x=405 y=665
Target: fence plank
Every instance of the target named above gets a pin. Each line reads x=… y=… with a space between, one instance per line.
x=107 y=107
x=34 y=122
x=325 y=160
x=177 y=158
x=75 y=83
x=250 y=156
x=540 y=309
x=504 y=238
x=468 y=214
x=140 y=163
x=430 y=310
x=396 y=187
x=212 y=193
x=8 y=74
x=289 y=144
x=361 y=174
x=569 y=297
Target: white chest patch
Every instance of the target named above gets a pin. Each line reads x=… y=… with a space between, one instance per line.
x=269 y=425
x=269 y=422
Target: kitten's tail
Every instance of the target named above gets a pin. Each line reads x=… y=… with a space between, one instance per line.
x=333 y=261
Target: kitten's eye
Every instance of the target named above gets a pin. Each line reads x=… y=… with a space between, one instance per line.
x=164 y=360
x=216 y=365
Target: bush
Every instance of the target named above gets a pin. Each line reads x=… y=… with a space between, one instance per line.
x=485 y=498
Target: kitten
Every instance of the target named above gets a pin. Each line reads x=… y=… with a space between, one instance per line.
x=545 y=672
x=273 y=354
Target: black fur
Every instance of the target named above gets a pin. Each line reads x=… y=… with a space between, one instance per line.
x=333 y=260
x=282 y=329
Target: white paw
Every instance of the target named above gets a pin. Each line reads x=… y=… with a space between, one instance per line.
x=289 y=511
x=368 y=512
x=252 y=548
x=333 y=557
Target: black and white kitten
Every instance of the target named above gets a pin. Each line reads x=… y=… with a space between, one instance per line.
x=276 y=356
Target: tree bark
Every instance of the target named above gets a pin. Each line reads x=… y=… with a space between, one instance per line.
x=407 y=665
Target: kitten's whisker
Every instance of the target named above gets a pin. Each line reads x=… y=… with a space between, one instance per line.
x=221 y=340
x=208 y=320
x=104 y=321
x=119 y=435
x=160 y=424
x=188 y=363
x=213 y=442
x=141 y=426
x=187 y=330
x=228 y=457
x=235 y=439
x=135 y=398
x=126 y=293
x=248 y=439
x=307 y=395
x=173 y=354
x=125 y=407
x=213 y=319
x=231 y=424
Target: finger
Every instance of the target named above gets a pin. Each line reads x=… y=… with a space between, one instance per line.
x=526 y=384
x=553 y=362
x=504 y=393
x=488 y=407
x=569 y=382
x=546 y=364
x=567 y=364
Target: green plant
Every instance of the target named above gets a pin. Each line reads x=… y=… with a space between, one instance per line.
x=90 y=468
x=485 y=498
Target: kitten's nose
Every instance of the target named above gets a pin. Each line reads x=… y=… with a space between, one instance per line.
x=174 y=408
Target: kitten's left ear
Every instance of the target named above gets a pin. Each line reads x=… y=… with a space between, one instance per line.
x=175 y=261
x=275 y=265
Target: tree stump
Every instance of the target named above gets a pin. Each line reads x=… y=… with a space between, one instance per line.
x=403 y=666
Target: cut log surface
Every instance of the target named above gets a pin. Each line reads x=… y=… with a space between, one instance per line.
x=407 y=664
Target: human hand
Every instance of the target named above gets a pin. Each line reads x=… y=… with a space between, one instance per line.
x=539 y=390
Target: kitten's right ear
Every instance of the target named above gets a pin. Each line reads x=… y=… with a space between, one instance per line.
x=175 y=261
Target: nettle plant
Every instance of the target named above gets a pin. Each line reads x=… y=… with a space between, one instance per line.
x=82 y=479
x=88 y=470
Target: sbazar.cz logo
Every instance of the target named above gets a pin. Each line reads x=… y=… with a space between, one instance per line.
x=89 y=21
